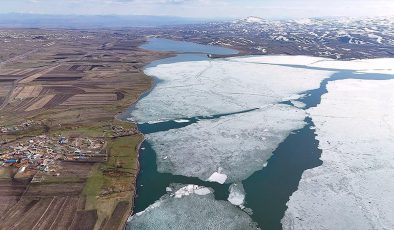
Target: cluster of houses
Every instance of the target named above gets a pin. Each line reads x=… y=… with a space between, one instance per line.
x=43 y=153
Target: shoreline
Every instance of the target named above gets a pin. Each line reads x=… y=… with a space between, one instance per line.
x=121 y=116
x=134 y=195
x=131 y=208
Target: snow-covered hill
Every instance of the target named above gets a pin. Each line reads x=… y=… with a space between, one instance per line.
x=328 y=37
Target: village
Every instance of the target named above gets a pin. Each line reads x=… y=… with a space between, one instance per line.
x=23 y=158
x=43 y=153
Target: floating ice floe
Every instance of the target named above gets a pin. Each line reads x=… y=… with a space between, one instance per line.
x=204 y=88
x=196 y=210
x=353 y=189
x=154 y=122
x=237 y=194
x=237 y=143
x=218 y=177
x=181 y=121
x=192 y=189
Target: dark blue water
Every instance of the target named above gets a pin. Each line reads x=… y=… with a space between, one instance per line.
x=159 y=44
x=147 y=128
x=268 y=190
x=186 y=51
x=179 y=58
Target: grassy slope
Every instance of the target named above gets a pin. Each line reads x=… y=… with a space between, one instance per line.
x=109 y=182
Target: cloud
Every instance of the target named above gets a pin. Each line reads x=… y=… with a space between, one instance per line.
x=206 y=8
x=154 y=1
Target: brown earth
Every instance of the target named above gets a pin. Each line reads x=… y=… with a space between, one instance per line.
x=72 y=82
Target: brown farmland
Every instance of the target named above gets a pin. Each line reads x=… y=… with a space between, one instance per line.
x=72 y=84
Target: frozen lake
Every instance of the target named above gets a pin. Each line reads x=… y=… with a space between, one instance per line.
x=238 y=126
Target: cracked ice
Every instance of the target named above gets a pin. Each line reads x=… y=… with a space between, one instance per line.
x=353 y=189
x=239 y=144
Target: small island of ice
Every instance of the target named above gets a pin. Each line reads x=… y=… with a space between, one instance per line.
x=237 y=194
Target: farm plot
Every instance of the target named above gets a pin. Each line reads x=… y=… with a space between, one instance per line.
x=40 y=103
x=91 y=99
x=29 y=91
x=10 y=191
x=57 y=212
x=33 y=77
x=5 y=89
x=49 y=202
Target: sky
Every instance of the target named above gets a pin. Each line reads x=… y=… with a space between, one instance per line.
x=205 y=8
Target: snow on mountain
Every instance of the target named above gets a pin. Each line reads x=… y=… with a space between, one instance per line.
x=252 y=19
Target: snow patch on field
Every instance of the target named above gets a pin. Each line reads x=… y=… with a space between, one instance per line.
x=353 y=189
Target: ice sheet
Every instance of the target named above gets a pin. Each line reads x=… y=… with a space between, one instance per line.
x=298 y=104
x=282 y=59
x=377 y=65
x=239 y=144
x=353 y=189
x=197 y=88
x=192 y=211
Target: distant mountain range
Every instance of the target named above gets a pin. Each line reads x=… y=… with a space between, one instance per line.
x=340 y=37
x=91 y=21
